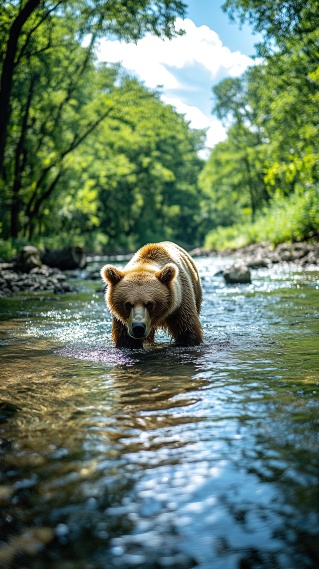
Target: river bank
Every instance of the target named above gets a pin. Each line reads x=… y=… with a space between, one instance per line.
x=260 y=255
x=27 y=272
x=37 y=270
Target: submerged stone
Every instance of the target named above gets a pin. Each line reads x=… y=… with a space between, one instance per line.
x=237 y=273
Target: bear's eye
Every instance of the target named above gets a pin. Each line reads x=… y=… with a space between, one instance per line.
x=149 y=306
x=128 y=306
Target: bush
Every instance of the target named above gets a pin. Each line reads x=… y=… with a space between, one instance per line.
x=227 y=237
x=286 y=219
x=9 y=248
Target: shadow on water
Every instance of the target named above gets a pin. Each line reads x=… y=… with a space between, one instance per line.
x=165 y=458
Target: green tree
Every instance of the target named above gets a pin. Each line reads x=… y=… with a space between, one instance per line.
x=271 y=113
x=233 y=178
x=141 y=176
x=43 y=63
x=288 y=114
x=279 y=20
x=57 y=101
x=288 y=91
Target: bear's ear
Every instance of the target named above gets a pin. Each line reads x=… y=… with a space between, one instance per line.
x=111 y=274
x=167 y=274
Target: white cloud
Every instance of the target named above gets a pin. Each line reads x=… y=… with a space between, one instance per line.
x=185 y=67
x=215 y=130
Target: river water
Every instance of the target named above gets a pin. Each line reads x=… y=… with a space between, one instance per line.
x=170 y=458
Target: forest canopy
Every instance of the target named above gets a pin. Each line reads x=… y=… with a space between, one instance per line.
x=87 y=153
x=90 y=156
x=262 y=181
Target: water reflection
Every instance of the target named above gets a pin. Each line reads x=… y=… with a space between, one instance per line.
x=175 y=458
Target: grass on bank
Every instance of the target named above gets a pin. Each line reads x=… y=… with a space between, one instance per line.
x=287 y=219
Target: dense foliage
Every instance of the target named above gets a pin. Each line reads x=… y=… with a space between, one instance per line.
x=87 y=154
x=269 y=163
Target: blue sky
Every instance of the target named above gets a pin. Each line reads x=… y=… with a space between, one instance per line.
x=210 y=13
x=187 y=67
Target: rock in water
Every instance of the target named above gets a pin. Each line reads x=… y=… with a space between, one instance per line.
x=237 y=273
x=68 y=258
x=27 y=259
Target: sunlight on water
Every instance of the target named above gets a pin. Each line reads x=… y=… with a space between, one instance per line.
x=166 y=457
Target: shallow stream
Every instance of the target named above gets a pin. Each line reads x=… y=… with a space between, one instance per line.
x=170 y=458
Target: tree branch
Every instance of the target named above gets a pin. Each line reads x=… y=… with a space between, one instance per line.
x=74 y=144
x=31 y=32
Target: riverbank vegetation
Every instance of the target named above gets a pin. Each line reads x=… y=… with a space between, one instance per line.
x=89 y=156
x=262 y=182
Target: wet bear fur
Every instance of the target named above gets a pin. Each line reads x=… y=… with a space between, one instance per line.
x=158 y=288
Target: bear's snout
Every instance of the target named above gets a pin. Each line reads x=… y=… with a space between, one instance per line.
x=139 y=322
x=138 y=329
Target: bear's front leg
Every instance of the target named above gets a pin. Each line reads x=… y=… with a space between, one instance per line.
x=122 y=338
x=185 y=329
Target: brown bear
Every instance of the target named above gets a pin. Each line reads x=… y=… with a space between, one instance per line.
x=158 y=288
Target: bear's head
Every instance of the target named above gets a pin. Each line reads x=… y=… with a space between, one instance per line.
x=140 y=296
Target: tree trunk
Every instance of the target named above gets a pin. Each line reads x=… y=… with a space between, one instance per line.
x=7 y=73
x=20 y=162
x=14 y=215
